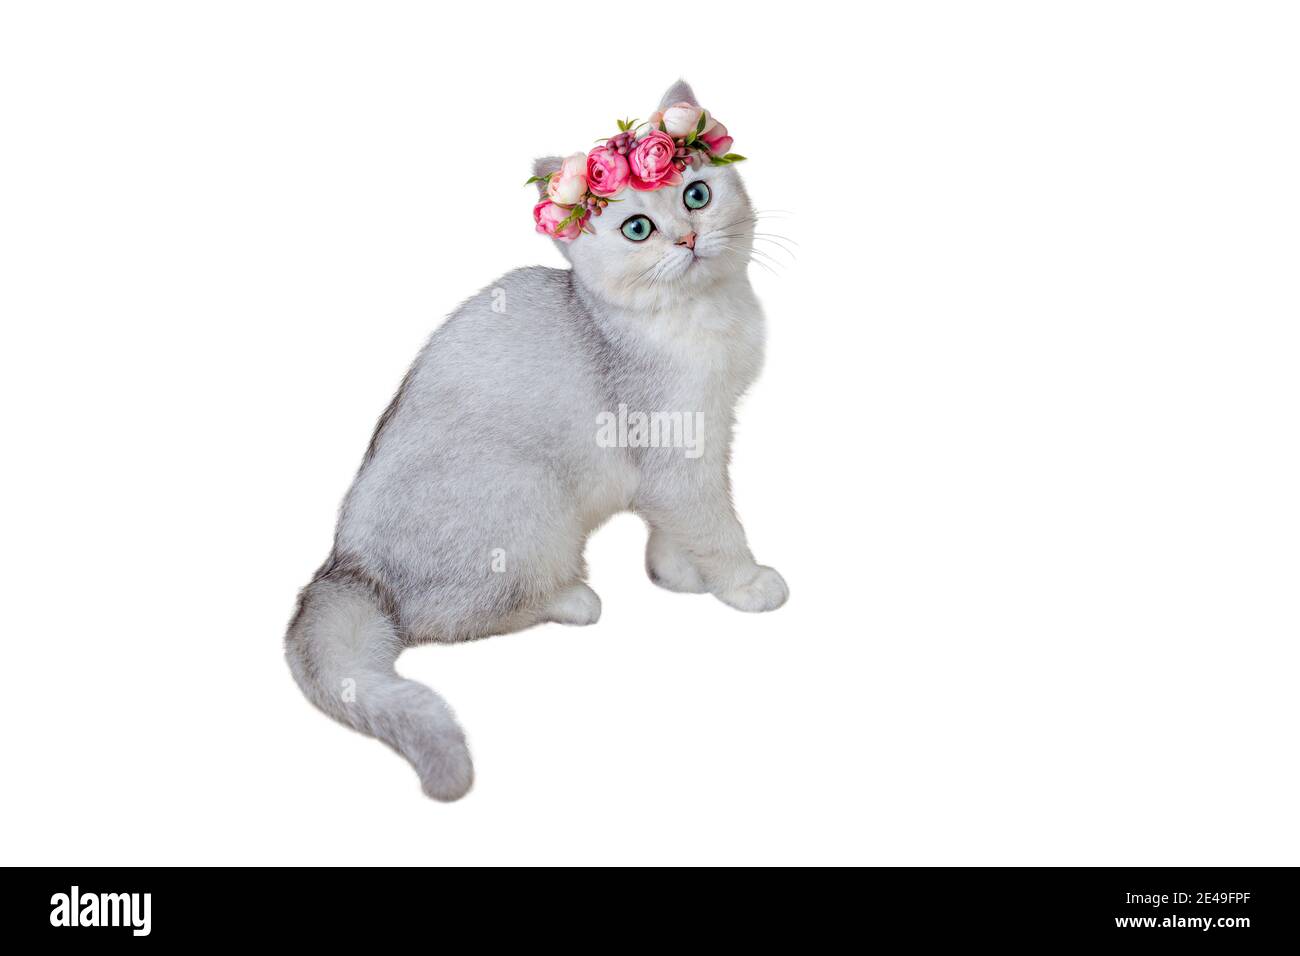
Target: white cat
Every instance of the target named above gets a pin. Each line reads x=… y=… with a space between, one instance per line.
x=485 y=475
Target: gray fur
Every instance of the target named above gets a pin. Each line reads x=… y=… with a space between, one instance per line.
x=679 y=92
x=484 y=478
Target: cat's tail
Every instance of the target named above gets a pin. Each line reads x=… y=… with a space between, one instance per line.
x=341 y=647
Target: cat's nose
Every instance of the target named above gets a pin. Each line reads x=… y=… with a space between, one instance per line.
x=687 y=240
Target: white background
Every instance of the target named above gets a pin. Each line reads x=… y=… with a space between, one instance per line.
x=1025 y=447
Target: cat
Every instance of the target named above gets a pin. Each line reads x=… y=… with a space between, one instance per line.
x=484 y=477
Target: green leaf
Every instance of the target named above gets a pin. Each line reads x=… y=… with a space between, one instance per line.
x=734 y=158
x=699 y=127
x=538 y=179
x=575 y=215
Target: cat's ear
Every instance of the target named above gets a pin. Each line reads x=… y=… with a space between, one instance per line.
x=544 y=166
x=679 y=92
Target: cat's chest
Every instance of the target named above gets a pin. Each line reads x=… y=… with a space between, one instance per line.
x=699 y=357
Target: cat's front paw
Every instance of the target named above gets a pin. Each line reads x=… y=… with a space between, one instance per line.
x=669 y=568
x=765 y=592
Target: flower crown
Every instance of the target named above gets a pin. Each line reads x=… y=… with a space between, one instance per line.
x=645 y=156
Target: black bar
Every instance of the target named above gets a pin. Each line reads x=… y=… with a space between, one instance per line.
x=1142 y=907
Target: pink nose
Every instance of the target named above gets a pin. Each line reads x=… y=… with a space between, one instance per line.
x=687 y=240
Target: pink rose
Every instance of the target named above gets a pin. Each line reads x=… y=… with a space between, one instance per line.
x=569 y=185
x=607 y=171
x=549 y=215
x=715 y=137
x=651 y=160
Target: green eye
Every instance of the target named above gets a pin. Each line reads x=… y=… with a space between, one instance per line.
x=638 y=228
x=696 y=196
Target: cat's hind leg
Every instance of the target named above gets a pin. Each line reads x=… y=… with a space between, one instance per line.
x=576 y=605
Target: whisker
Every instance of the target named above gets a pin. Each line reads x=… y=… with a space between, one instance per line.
x=735 y=235
x=788 y=252
x=760 y=262
x=654 y=265
x=768 y=258
x=777 y=235
x=738 y=222
x=754 y=219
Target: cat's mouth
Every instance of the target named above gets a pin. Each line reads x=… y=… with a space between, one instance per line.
x=687 y=265
x=683 y=263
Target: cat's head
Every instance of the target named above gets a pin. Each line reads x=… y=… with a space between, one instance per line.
x=655 y=247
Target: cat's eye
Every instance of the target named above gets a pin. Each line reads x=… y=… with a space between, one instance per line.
x=697 y=195
x=638 y=228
